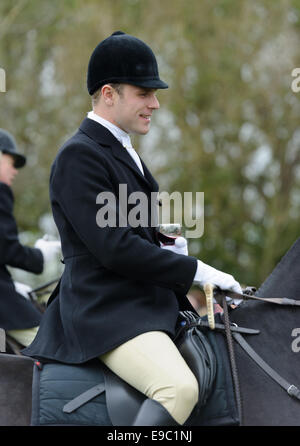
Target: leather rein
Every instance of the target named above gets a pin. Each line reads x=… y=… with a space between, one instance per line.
x=249 y=295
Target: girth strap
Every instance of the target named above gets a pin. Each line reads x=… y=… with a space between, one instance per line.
x=83 y=398
x=290 y=388
x=122 y=400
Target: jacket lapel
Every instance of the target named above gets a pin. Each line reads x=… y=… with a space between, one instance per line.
x=104 y=137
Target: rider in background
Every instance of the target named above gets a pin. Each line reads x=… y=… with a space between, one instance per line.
x=120 y=292
x=18 y=316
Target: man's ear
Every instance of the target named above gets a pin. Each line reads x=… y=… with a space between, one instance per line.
x=108 y=94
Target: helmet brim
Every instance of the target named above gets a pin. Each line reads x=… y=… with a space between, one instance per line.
x=19 y=160
x=156 y=84
x=153 y=83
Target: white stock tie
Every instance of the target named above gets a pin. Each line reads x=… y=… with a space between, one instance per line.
x=135 y=156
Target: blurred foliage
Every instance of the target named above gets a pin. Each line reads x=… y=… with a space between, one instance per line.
x=228 y=124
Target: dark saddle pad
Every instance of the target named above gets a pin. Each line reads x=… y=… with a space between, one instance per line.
x=55 y=385
x=88 y=394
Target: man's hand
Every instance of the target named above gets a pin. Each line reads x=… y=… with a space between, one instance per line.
x=23 y=289
x=49 y=248
x=208 y=274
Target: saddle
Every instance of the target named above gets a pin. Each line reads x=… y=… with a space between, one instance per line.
x=91 y=394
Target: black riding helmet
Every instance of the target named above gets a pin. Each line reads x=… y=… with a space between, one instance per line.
x=122 y=58
x=8 y=145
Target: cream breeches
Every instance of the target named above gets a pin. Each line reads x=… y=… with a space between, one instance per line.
x=153 y=365
x=24 y=337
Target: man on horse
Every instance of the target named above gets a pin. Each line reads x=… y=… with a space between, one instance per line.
x=18 y=316
x=120 y=293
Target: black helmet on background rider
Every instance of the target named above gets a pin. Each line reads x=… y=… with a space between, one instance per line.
x=8 y=145
x=122 y=58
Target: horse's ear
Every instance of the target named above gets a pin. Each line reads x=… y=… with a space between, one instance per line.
x=2 y=341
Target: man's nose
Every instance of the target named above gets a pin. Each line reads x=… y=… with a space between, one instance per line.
x=154 y=104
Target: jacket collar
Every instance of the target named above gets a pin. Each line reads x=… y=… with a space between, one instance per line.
x=104 y=137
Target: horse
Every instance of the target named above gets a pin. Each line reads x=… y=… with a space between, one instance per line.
x=263 y=400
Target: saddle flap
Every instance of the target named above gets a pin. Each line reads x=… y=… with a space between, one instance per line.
x=122 y=400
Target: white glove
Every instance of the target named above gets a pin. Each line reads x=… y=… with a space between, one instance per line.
x=49 y=248
x=180 y=246
x=208 y=274
x=23 y=289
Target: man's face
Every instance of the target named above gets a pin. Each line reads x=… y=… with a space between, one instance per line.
x=7 y=169
x=133 y=108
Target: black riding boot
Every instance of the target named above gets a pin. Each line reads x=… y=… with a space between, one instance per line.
x=153 y=413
